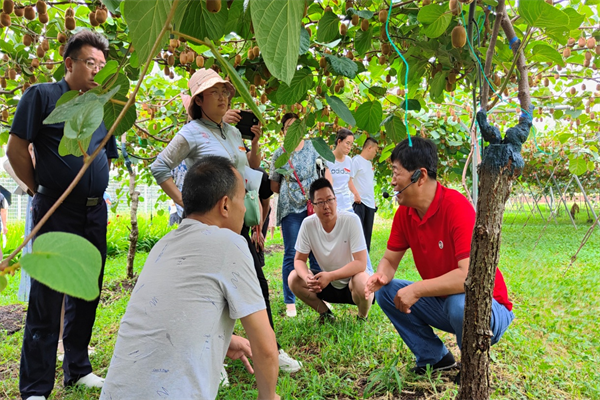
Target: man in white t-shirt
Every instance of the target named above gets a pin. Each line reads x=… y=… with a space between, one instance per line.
x=337 y=242
x=196 y=282
x=363 y=176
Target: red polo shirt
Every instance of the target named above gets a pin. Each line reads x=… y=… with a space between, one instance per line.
x=442 y=238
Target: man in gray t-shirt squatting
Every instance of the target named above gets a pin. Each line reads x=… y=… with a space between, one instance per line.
x=196 y=282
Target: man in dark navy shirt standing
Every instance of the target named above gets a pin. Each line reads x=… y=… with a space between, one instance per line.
x=82 y=213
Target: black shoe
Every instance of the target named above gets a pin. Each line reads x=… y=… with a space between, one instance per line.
x=457 y=379
x=326 y=317
x=447 y=362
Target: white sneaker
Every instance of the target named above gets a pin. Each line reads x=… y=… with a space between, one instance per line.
x=287 y=363
x=224 y=377
x=290 y=310
x=36 y=398
x=91 y=380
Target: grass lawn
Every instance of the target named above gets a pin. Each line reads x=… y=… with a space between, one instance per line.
x=551 y=351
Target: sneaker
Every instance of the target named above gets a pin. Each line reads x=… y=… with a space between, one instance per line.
x=224 y=377
x=91 y=380
x=287 y=363
x=36 y=398
x=447 y=362
x=290 y=310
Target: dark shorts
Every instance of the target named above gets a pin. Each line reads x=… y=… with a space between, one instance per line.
x=333 y=295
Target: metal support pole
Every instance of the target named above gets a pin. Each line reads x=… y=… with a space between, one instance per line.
x=585 y=197
x=562 y=198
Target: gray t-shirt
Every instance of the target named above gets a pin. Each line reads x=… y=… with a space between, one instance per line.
x=174 y=336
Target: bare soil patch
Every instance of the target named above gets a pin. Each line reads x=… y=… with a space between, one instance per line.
x=12 y=318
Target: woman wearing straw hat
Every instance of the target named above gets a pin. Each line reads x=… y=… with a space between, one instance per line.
x=208 y=133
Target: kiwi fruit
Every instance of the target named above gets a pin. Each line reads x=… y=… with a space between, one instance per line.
x=61 y=50
x=5 y=114
x=571 y=42
x=69 y=23
x=8 y=6
x=45 y=45
x=171 y=75
x=382 y=60
x=386 y=49
x=454 y=6
x=40 y=52
x=388 y=78
x=323 y=63
x=93 y=20
x=213 y=6
x=257 y=80
x=19 y=11
x=200 y=61
x=459 y=37
x=364 y=25
x=166 y=70
x=452 y=77
x=32 y=79
x=70 y=12
x=61 y=37
x=183 y=58
x=350 y=55
x=588 y=55
x=41 y=7
x=355 y=20
x=426 y=2
x=12 y=74
x=328 y=82
x=26 y=86
x=343 y=29
x=586 y=63
x=43 y=18
x=29 y=13
x=27 y=40
x=583 y=87
x=171 y=60
x=327 y=9
x=383 y=16
x=263 y=98
x=4 y=19
x=591 y=43
x=581 y=42
x=256 y=51
x=567 y=52
x=238 y=59
x=251 y=54
x=573 y=91
x=3 y=82
x=101 y=15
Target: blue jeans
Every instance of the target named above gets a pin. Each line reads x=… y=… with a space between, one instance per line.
x=290 y=226
x=445 y=314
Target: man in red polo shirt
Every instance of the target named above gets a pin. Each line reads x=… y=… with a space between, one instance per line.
x=436 y=223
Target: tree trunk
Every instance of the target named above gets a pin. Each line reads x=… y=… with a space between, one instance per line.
x=502 y=163
x=494 y=188
x=134 y=233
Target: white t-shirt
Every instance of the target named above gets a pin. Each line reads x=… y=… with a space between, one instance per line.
x=341 y=173
x=332 y=250
x=363 y=177
x=173 y=338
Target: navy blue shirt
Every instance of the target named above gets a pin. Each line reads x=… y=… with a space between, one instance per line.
x=53 y=170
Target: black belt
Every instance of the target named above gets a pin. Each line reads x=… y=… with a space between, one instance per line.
x=71 y=199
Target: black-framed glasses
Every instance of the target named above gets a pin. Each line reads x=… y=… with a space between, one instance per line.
x=329 y=202
x=91 y=64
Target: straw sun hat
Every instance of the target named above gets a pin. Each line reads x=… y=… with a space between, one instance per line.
x=205 y=79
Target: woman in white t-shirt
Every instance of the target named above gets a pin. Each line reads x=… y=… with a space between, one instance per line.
x=341 y=171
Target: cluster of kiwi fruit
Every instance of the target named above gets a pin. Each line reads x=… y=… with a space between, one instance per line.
x=8 y=8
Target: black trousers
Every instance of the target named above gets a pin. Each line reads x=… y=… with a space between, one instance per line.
x=264 y=284
x=367 y=217
x=42 y=326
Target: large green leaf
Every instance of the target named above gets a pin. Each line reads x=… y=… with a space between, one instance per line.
x=276 y=26
x=577 y=165
x=198 y=22
x=66 y=263
x=377 y=91
x=85 y=122
x=575 y=19
x=112 y=111
x=109 y=69
x=282 y=160
x=323 y=149
x=112 y=5
x=71 y=146
x=362 y=41
x=3 y=282
x=328 y=27
x=545 y=53
x=368 y=116
x=411 y=104
x=394 y=128
x=342 y=66
x=540 y=14
x=436 y=18
x=75 y=104
x=436 y=87
x=237 y=82
x=294 y=135
x=145 y=19
x=341 y=109
x=296 y=90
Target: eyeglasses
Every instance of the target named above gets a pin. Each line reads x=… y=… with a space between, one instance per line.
x=90 y=63
x=329 y=202
x=217 y=94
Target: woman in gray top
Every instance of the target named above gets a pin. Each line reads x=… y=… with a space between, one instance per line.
x=208 y=133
